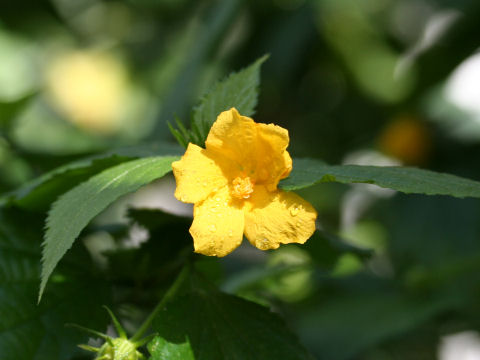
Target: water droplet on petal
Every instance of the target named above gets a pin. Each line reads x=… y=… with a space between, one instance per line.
x=204 y=184
x=262 y=244
x=230 y=233
x=212 y=228
x=294 y=210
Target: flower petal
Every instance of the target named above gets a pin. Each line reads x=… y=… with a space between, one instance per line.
x=197 y=174
x=274 y=161
x=279 y=217
x=218 y=224
x=258 y=150
x=234 y=136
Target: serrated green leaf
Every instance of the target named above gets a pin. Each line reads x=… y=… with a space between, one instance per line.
x=308 y=172
x=74 y=210
x=238 y=90
x=42 y=191
x=223 y=327
x=30 y=331
x=179 y=135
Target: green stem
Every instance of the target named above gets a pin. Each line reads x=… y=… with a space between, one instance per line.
x=166 y=298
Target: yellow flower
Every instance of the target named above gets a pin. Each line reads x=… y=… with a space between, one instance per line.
x=233 y=184
x=89 y=88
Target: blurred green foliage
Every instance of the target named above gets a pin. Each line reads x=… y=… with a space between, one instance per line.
x=390 y=275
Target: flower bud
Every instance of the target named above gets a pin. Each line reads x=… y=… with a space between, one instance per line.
x=119 y=349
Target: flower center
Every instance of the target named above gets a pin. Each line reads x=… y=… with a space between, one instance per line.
x=242 y=187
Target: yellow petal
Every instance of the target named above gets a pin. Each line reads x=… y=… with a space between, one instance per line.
x=274 y=162
x=258 y=150
x=198 y=174
x=218 y=224
x=279 y=217
x=234 y=136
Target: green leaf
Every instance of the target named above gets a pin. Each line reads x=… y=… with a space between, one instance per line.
x=74 y=210
x=239 y=90
x=161 y=349
x=308 y=172
x=42 y=191
x=223 y=327
x=30 y=331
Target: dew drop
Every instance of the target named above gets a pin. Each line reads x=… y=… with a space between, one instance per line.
x=230 y=233
x=262 y=244
x=212 y=228
x=294 y=210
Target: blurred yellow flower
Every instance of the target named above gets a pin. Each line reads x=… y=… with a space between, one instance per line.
x=407 y=139
x=233 y=184
x=89 y=88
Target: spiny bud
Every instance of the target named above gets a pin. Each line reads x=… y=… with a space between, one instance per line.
x=119 y=349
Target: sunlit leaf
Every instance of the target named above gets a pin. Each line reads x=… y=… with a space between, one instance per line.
x=239 y=90
x=42 y=191
x=74 y=210
x=308 y=172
